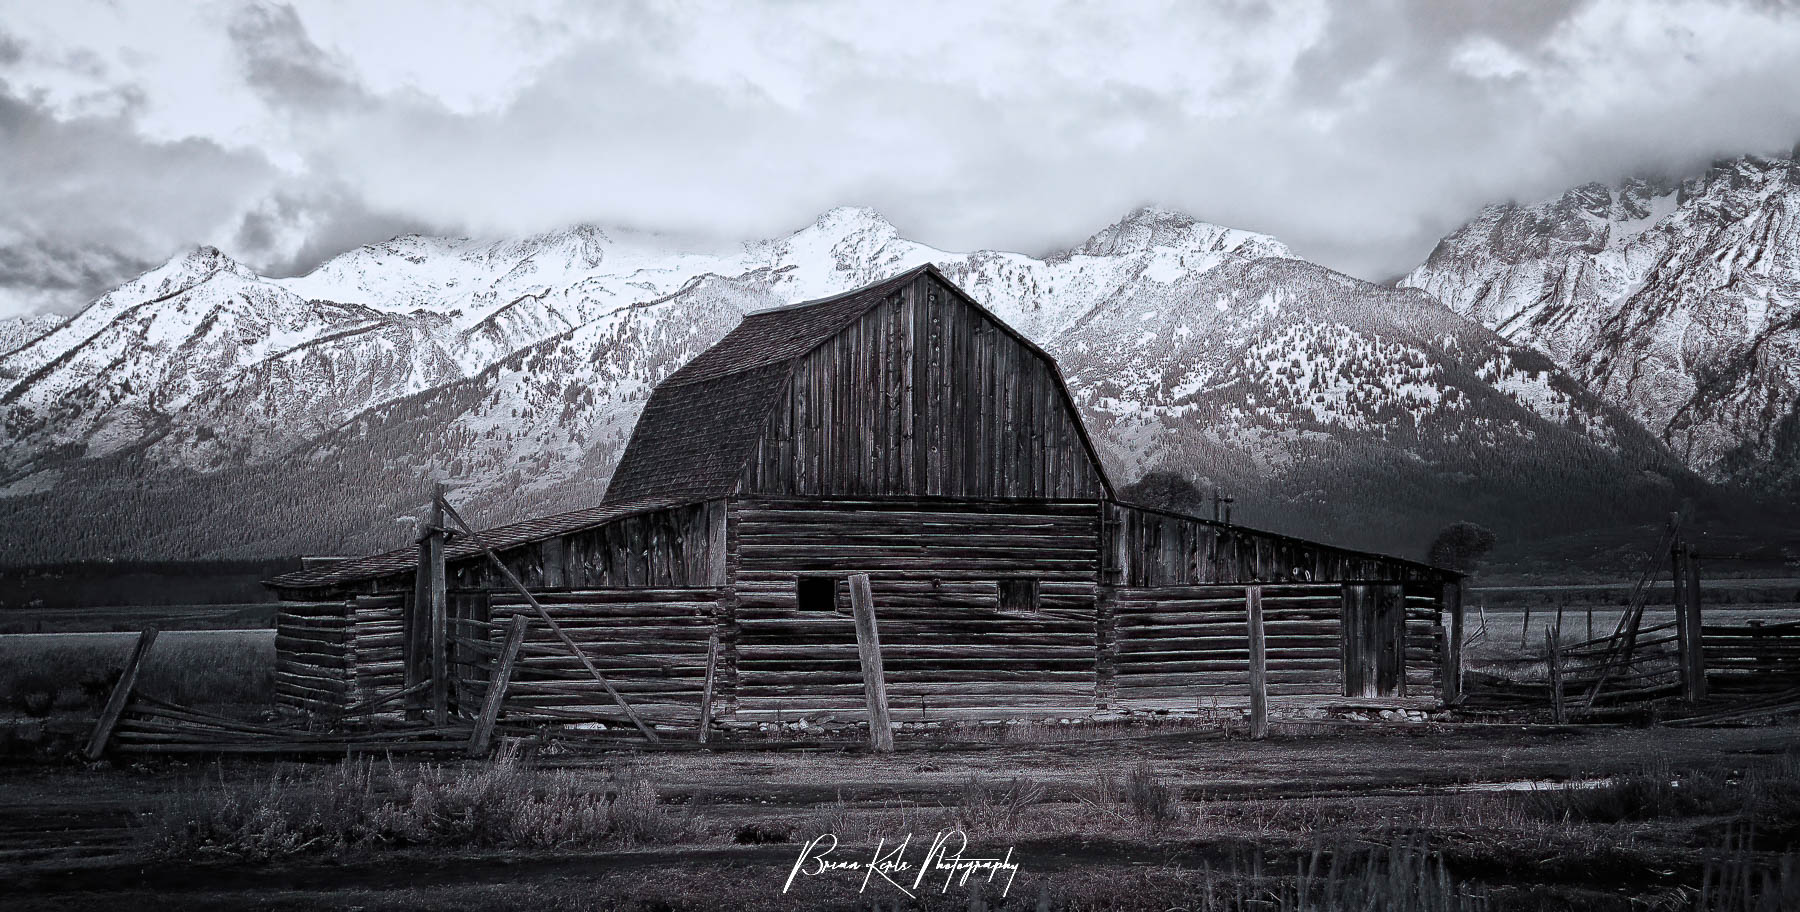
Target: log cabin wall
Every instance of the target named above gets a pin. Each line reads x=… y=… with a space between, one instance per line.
x=650 y=643
x=950 y=644
x=311 y=654
x=924 y=395
x=345 y=643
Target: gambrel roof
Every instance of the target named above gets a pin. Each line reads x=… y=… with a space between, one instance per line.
x=701 y=424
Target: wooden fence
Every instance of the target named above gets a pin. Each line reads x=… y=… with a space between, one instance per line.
x=1753 y=657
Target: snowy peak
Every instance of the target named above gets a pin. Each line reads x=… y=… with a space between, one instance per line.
x=1151 y=228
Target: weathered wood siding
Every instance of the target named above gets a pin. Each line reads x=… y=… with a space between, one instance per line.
x=934 y=568
x=1187 y=646
x=924 y=395
x=673 y=548
x=1148 y=548
x=918 y=553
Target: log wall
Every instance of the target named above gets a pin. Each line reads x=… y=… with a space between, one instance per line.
x=311 y=655
x=925 y=395
x=935 y=570
x=1187 y=646
x=650 y=644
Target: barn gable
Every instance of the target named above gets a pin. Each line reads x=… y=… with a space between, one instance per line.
x=907 y=387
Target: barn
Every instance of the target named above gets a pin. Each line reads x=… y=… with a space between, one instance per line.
x=899 y=431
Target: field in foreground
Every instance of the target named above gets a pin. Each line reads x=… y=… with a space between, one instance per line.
x=1319 y=817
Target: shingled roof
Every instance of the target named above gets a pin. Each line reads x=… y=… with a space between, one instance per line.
x=405 y=560
x=697 y=430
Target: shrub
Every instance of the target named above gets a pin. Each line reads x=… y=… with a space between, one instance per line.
x=1152 y=800
x=987 y=807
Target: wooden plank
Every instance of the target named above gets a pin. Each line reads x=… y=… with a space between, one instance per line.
x=706 y=697
x=121 y=694
x=868 y=645
x=1451 y=676
x=1259 y=676
x=479 y=740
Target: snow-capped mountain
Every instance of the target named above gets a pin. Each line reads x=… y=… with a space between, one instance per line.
x=312 y=409
x=1678 y=301
x=16 y=331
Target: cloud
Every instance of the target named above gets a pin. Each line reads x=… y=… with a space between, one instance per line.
x=86 y=201
x=283 y=65
x=1358 y=133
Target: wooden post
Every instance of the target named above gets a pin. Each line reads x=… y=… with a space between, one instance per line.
x=1696 y=671
x=496 y=693
x=1525 y=628
x=1451 y=683
x=561 y=634
x=1259 y=665
x=1553 y=655
x=434 y=596
x=121 y=695
x=868 y=648
x=706 y=696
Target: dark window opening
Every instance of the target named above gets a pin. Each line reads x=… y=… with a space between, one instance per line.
x=1020 y=594
x=817 y=593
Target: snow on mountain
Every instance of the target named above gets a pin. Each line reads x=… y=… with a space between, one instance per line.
x=515 y=370
x=1677 y=301
x=17 y=331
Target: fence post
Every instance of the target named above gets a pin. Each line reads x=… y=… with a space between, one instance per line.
x=121 y=695
x=1696 y=670
x=496 y=693
x=1259 y=665
x=1553 y=655
x=1451 y=683
x=706 y=696
x=868 y=649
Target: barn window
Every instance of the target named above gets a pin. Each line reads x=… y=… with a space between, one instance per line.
x=817 y=593
x=1019 y=594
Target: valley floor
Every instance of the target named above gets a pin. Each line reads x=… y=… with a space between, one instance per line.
x=1185 y=817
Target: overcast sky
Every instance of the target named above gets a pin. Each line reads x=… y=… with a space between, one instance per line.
x=1358 y=133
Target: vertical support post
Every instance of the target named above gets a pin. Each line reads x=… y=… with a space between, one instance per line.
x=706 y=696
x=1553 y=655
x=496 y=692
x=868 y=648
x=430 y=593
x=1696 y=672
x=121 y=695
x=1259 y=665
x=1525 y=628
x=1451 y=676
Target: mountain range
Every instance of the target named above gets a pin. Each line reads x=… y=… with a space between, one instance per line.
x=1592 y=359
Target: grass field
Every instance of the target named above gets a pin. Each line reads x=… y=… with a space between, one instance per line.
x=199 y=667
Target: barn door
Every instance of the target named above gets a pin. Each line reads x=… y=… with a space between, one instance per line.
x=1374 y=645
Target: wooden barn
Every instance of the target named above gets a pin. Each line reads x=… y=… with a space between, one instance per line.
x=900 y=431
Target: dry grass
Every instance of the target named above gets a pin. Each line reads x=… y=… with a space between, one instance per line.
x=365 y=804
x=77 y=671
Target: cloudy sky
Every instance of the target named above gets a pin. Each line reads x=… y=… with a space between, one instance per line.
x=1356 y=132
